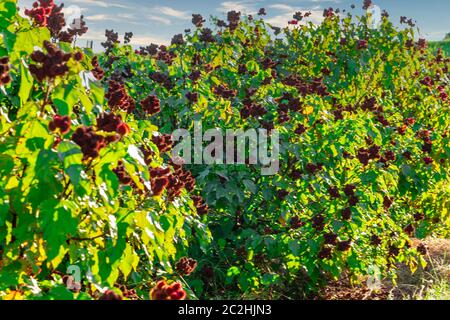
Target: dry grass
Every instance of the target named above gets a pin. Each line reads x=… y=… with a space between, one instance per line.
x=429 y=283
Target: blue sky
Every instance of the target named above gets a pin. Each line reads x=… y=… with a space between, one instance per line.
x=157 y=21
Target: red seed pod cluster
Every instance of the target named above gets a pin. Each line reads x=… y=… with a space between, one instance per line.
x=316 y=86
x=110 y=295
x=344 y=245
x=151 y=105
x=422 y=249
x=118 y=97
x=268 y=63
x=178 y=180
x=442 y=94
x=233 y=18
x=268 y=125
x=122 y=174
x=127 y=37
x=312 y=168
x=367 y=4
x=375 y=240
x=90 y=142
x=164 y=291
x=61 y=123
x=185 y=266
x=328 y=13
x=77 y=30
x=364 y=155
x=325 y=253
x=192 y=97
x=128 y=293
x=206 y=35
x=200 y=205
x=362 y=44
x=318 y=222
x=282 y=194
x=330 y=238
x=195 y=76
x=349 y=191
x=224 y=92
x=422 y=44
x=56 y=21
x=112 y=38
x=409 y=230
x=253 y=110
x=197 y=20
x=334 y=192
x=98 y=72
x=177 y=39
x=5 y=78
x=346 y=214
x=161 y=78
x=109 y=122
x=50 y=65
x=428 y=161
x=166 y=56
x=393 y=251
x=151 y=50
x=159 y=180
x=40 y=12
x=164 y=142
x=387 y=202
x=296 y=223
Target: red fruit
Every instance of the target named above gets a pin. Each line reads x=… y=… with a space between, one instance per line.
x=344 y=245
x=346 y=214
x=110 y=295
x=428 y=160
x=78 y=56
x=362 y=44
x=163 y=291
x=349 y=190
x=52 y=126
x=123 y=129
x=159 y=185
x=185 y=266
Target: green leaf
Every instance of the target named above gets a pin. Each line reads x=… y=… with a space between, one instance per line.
x=26 y=84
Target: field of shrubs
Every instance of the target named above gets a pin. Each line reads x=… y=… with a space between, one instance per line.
x=93 y=206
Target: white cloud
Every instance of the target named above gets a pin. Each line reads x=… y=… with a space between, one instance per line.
x=146 y=40
x=287 y=12
x=171 y=12
x=281 y=6
x=98 y=3
x=136 y=40
x=159 y=19
x=242 y=6
x=102 y=17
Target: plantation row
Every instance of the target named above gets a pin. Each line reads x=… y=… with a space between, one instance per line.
x=87 y=182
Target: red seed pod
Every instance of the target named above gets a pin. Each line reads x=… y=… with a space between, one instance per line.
x=185 y=266
x=5 y=78
x=89 y=141
x=151 y=105
x=110 y=295
x=164 y=291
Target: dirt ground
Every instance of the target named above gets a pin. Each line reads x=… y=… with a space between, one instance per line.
x=409 y=286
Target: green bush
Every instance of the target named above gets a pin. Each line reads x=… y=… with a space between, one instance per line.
x=363 y=120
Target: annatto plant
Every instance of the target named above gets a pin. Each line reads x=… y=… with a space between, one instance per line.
x=89 y=208
x=363 y=115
